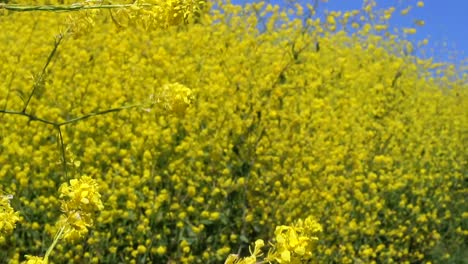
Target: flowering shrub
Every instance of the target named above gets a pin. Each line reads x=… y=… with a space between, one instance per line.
x=205 y=136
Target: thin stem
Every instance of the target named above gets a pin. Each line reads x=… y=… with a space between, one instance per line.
x=64 y=8
x=30 y=116
x=57 y=237
x=58 y=125
x=40 y=80
x=117 y=109
x=62 y=148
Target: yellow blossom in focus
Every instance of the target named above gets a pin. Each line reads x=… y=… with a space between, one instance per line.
x=294 y=243
x=175 y=98
x=81 y=200
x=81 y=195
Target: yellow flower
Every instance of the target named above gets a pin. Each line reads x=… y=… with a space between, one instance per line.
x=161 y=250
x=294 y=243
x=81 y=201
x=81 y=195
x=285 y=256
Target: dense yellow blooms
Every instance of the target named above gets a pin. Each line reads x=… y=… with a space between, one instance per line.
x=80 y=195
x=286 y=114
x=80 y=201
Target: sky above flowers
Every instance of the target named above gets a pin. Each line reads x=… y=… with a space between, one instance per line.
x=446 y=23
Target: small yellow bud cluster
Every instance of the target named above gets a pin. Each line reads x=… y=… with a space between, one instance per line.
x=81 y=201
x=8 y=217
x=175 y=98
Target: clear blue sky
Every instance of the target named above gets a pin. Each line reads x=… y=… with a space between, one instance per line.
x=446 y=23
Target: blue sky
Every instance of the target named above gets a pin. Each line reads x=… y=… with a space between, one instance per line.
x=446 y=23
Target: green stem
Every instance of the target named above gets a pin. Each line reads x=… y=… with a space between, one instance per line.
x=57 y=237
x=40 y=80
x=62 y=148
x=117 y=109
x=63 y=8
x=73 y=120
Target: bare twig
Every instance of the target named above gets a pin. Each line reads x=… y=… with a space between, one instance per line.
x=62 y=147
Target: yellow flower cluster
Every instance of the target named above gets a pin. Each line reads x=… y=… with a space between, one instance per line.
x=8 y=217
x=80 y=201
x=294 y=243
x=294 y=116
x=174 y=98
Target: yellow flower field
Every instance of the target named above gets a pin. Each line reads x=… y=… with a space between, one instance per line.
x=184 y=131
